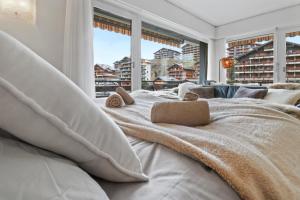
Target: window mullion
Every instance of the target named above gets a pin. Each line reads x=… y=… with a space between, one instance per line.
x=136 y=75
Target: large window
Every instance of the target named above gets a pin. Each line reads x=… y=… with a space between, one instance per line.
x=112 y=47
x=293 y=57
x=168 y=58
x=254 y=60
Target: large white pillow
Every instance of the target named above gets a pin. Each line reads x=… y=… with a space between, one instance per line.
x=40 y=105
x=184 y=88
x=283 y=96
x=27 y=172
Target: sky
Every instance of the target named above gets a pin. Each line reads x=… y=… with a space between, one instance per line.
x=110 y=46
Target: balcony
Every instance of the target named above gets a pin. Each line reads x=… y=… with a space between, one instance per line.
x=105 y=87
x=254 y=64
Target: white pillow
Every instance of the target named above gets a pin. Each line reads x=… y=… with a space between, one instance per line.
x=184 y=88
x=46 y=109
x=27 y=172
x=283 y=96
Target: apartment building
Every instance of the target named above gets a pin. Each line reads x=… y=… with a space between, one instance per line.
x=257 y=65
x=179 y=72
x=166 y=53
x=104 y=72
x=146 y=69
x=124 y=67
x=237 y=51
x=193 y=50
x=191 y=57
x=293 y=62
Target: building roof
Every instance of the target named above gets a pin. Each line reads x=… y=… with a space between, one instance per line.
x=104 y=67
x=180 y=65
x=162 y=49
x=125 y=59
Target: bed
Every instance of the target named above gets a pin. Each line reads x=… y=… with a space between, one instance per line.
x=172 y=176
x=245 y=144
x=59 y=144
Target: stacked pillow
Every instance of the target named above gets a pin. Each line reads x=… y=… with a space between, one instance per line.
x=184 y=88
x=283 y=96
x=46 y=109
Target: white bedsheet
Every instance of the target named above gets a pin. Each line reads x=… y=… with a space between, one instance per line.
x=172 y=177
x=30 y=173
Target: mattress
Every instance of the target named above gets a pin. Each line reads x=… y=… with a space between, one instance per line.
x=172 y=177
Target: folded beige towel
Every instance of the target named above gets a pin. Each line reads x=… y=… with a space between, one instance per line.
x=126 y=97
x=114 y=101
x=188 y=113
x=190 y=96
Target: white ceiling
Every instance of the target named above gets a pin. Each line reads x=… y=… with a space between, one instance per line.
x=220 y=12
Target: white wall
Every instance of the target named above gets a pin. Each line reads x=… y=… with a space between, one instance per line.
x=280 y=19
x=46 y=37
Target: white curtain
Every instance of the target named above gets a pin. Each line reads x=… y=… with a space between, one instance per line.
x=78 y=45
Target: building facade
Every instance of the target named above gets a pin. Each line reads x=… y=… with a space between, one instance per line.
x=257 y=66
x=237 y=51
x=293 y=62
x=193 y=50
x=124 y=67
x=166 y=53
x=105 y=72
x=178 y=72
x=146 y=70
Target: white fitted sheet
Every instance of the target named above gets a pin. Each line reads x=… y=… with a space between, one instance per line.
x=172 y=177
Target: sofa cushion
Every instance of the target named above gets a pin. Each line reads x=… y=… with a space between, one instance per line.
x=232 y=89
x=244 y=92
x=204 y=92
x=220 y=91
x=228 y=91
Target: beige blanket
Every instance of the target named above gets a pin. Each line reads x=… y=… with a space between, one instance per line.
x=252 y=145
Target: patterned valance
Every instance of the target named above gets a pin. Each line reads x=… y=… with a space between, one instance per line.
x=293 y=34
x=124 y=27
x=250 y=41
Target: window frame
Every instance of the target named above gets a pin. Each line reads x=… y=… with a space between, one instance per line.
x=273 y=32
x=138 y=16
x=282 y=51
x=279 y=61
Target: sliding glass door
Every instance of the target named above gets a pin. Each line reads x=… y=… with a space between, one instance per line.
x=137 y=55
x=293 y=56
x=168 y=58
x=254 y=60
x=113 y=62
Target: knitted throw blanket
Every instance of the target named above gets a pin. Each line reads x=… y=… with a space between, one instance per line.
x=253 y=145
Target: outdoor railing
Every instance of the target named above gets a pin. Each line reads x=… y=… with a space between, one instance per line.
x=105 y=87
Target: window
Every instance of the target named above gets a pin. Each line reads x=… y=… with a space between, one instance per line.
x=168 y=58
x=254 y=60
x=112 y=47
x=293 y=57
